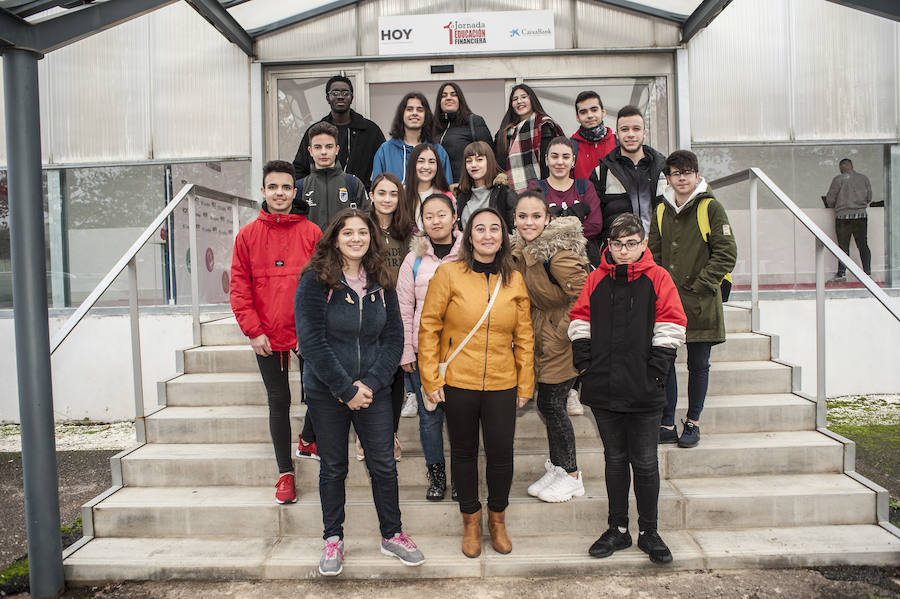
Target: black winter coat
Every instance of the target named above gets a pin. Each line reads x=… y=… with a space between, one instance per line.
x=455 y=137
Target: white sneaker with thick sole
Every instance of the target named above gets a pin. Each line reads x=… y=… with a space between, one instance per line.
x=563 y=487
x=573 y=404
x=410 y=409
x=544 y=481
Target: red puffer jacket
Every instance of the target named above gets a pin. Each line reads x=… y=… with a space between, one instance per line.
x=269 y=254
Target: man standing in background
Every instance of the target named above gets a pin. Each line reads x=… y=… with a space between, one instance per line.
x=848 y=196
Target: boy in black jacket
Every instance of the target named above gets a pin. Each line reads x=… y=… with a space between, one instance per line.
x=625 y=328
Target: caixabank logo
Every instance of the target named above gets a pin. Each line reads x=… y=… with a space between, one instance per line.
x=525 y=32
x=466 y=32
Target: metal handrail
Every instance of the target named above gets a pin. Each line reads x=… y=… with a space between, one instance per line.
x=129 y=261
x=823 y=242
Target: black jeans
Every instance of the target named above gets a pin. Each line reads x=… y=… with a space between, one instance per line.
x=398 y=394
x=551 y=402
x=308 y=434
x=496 y=412
x=858 y=229
x=373 y=427
x=631 y=439
x=698 y=383
x=274 y=371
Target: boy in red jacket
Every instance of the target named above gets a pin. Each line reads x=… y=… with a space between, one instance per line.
x=269 y=254
x=625 y=328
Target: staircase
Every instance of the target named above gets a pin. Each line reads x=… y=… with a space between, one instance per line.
x=763 y=488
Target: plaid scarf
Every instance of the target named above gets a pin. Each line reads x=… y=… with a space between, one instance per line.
x=524 y=157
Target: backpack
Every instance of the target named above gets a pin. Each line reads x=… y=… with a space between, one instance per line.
x=349 y=180
x=703 y=223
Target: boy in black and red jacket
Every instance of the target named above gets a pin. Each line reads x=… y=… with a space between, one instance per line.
x=625 y=328
x=269 y=254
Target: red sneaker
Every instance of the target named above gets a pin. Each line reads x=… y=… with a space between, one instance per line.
x=306 y=450
x=284 y=490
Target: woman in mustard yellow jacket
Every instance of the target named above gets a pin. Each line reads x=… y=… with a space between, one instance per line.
x=489 y=376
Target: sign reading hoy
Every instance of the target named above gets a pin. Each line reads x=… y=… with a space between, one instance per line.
x=507 y=31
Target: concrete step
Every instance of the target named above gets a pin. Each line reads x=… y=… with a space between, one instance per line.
x=253 y=464
x=226 y=331
x=240 y=358
x=729 y=502
x=255 y=558
x=250 y=423
x=246 y=388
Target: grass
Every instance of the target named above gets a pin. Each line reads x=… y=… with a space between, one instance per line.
x=14 y=579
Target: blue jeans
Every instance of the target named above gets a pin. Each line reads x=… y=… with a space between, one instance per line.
x=375 y=428
x=431 y=424
x=630 y=441
x=698 y=383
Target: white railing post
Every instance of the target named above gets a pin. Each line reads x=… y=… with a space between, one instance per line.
x=821 y=417
x=136 y=372
x=754 y=255
x=195 y=270
x=235 y=217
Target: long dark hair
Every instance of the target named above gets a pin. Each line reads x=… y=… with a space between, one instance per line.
x=511 y=119
x=402 y=220
x=503 y=257
x=479 y=148
x=412 y=178
x=463 y=114
x=427 y=124
x=328 y=262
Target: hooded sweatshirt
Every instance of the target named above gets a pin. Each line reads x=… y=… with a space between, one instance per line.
x=269 y=254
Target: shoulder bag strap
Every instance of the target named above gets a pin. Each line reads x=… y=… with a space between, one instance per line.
x=480 y=320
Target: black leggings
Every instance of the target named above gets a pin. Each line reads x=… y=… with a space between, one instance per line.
x=551 y=402
x=398 y=394
x=274 y=371
x=496 y=411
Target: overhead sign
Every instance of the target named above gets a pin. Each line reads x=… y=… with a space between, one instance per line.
x=454 y=33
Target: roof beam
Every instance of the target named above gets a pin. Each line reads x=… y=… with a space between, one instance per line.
x=889 y=9
x=701 y=17
x=69 y=27
x=15 y=31
x=646 y=10
x=300 y=17
x=222 y=20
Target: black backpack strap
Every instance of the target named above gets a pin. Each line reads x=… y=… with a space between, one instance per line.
x=350 y=180
x=581 y=188
x=545 y=187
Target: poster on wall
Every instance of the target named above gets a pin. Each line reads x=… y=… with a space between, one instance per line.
x=214 y=244
x=455 y=33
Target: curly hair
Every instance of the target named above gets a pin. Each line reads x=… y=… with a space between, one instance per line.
x=397 y=127
x=503 y=257
x=328 y=262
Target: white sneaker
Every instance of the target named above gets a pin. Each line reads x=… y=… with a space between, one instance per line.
x=410 y=409
x=544 y=481
x=573 y=404
x=563 y=487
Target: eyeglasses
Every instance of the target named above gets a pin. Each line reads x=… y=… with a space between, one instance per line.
x=686 y=172
x=340 y=93
x=619 y=246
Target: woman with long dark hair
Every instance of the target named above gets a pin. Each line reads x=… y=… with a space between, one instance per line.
x=476 y=354
x=439 y=245
x=523 y=138
x=483 y=185
x=455 y=126
x=351 y=337
x=550 y=254
x=425 y=175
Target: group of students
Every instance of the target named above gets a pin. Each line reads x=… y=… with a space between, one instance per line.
x=469 y=299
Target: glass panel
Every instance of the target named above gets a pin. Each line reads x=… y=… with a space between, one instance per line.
x=6 y=296
x=804 y=173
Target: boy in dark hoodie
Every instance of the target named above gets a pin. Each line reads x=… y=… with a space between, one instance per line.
x=625 y=329
x=269 y=254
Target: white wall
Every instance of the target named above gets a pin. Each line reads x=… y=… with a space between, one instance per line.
x=862 y=347
x=92 y=368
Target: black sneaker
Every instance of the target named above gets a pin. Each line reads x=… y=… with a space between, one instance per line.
x=650 y=543
x=668 y=435
x=690 y=436
x=610 y=541
x=437 y=482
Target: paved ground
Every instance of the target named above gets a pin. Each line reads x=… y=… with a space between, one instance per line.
x=796 y=584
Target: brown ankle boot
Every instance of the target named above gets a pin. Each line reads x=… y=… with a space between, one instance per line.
x=471 y=541
x=497 y=527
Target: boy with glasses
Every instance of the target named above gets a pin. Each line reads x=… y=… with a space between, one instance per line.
x=697 y=266
x=357 y=137
x=625 y=329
